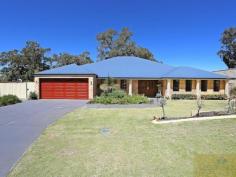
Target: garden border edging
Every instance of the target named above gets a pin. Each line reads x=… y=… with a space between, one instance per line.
x=194 y=119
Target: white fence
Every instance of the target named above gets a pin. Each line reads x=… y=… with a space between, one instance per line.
x=20 y=89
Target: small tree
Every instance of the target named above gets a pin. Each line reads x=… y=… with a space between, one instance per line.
x=162 y=102
x=232 y=101
x=109 y=83
x=199 y=106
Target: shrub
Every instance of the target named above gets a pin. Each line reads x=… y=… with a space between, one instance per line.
x=184 y=97
x=119 y=97
x=214 y=97
x=9 y=99
x=115 y=94
x=33 y=96
x=136 y=99
x=233 y=92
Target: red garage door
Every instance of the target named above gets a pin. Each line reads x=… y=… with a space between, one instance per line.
x=64 y=88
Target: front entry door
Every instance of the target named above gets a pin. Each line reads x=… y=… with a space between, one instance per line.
x=148 y=87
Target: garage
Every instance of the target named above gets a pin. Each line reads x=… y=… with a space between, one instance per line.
x=69 y=88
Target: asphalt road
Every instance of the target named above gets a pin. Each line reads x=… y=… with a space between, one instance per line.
x=22 y=123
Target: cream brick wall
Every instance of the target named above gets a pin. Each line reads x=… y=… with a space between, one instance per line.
x=210 y=89
x=91 y=87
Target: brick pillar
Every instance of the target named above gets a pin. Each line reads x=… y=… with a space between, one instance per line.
x=130 y=87
x=168 y=88
x=91 y=87
x=227 y=88
x=198 y=91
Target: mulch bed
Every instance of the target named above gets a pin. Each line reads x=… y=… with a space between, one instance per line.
x=201 y=115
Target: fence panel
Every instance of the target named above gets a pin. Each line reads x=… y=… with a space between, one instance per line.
x=20 y=89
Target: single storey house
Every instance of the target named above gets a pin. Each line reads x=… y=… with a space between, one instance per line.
x=132 y=74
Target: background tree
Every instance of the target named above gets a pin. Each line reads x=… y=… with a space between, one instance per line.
x=228 y=47
x=66 y=59
x=112 y=44
x=22 y=64
x=106 y=42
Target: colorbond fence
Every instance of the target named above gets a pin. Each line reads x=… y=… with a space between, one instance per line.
x=20 y=89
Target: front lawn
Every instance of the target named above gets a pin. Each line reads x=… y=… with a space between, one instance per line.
x=124 y=142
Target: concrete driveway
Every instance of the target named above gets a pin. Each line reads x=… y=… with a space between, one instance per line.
x=22 y=123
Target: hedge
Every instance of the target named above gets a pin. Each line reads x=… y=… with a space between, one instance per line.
x=214 y=97
x=194 y=97
x=119 y=97
x=184 y=97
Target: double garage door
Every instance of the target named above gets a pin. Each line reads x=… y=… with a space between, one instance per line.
x=64 y=88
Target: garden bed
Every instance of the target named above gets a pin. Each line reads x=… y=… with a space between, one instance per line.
x=119 y=97
x=201 y=115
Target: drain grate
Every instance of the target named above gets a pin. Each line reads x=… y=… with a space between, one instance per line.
x=105 y=131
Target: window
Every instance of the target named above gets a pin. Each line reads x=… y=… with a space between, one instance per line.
x=175 y=85
x=216 y=86
x=123 y=84
x=204 y=85
x=188 y=85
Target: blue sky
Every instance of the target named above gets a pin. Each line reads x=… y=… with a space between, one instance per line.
x=183 y=32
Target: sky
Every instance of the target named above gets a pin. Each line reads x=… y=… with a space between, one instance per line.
x=177 y=32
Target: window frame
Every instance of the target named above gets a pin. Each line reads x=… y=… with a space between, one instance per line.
x=176 y=86
x=216 y=84
x=123 y=84
x=188 y=88
x=206 y=85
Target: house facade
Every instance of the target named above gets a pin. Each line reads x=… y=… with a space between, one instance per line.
x=132 y=74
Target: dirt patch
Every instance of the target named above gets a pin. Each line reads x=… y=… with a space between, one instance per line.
x=68 y=152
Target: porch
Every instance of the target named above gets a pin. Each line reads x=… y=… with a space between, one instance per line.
x=167 y=87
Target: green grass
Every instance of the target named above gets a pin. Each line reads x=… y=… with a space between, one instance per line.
x=181 y=108
x=75 y=146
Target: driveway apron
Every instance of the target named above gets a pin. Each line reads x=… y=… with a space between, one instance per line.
x=22 y=123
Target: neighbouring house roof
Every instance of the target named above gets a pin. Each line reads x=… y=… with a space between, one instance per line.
x=231 y=73
x=132 y=67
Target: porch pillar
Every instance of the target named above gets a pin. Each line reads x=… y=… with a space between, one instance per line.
x=227 y=88
x=168 y=88
x=91 y=86
x=198 y=91
x=130 y=87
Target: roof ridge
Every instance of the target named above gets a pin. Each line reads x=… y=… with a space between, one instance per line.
x=174 y=68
